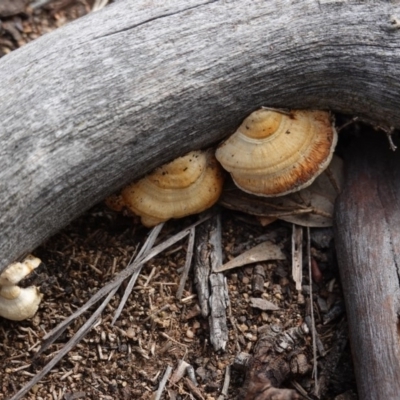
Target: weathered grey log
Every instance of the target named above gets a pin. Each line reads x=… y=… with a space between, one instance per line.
x=103 y=100
x=368 y=248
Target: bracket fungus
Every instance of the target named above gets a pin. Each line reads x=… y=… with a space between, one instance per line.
x=18 y=303
x=274 y=153
x=185 y=186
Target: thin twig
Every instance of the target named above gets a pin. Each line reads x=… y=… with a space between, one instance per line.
x=314 y=339
x=392 y=146
x=341 y=127
x=163 y=383
x=227 y=379
x=145 y=249
x=188 y=263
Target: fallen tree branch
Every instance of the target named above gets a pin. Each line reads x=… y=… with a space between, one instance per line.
x=367 y=240
x=103 y=100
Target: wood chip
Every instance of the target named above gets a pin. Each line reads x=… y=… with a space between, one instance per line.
x=179 y=372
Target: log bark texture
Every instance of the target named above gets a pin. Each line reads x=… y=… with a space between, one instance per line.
x=368 y=248
x=103 y=100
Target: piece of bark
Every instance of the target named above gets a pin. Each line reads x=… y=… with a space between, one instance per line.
x=211 y=287
x=367 y=239
x=202 y=266
x=105 y=99
x=269 y=366
x=219 y=301
x=188 y=263
x=194 y=390
x=330 y=363
x=258 y=279
x=179 y=372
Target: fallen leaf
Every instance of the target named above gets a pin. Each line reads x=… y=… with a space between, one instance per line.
x=262 y=252
x=12 y=7
x=263 y=304
x=312 y=206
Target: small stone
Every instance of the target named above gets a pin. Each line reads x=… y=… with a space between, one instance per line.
x=264 y=317
x=196 y=325
x=189 y=334
x=251 y=337
x=201 y=373
x=130 y=333
x=243 y=328
x=284 y=281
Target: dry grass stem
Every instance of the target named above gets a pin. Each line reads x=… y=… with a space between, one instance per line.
x=312 y=327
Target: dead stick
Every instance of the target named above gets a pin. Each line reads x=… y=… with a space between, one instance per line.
x=188 y=263
x=367 y=238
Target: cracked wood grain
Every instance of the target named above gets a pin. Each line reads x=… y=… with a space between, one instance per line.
x=105 y=99
x=368 y=247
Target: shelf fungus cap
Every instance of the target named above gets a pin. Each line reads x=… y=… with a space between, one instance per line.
x=274 y=153
x=185 y=186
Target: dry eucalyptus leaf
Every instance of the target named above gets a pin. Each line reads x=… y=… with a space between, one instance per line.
x=12 y=7
x=320 y=196
x=263 y=304
x=262 y=252
x=312 y=207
